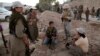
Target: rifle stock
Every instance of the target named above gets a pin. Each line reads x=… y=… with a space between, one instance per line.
x=5 y=42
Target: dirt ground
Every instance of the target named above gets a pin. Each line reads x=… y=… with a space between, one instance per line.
x=92 y=32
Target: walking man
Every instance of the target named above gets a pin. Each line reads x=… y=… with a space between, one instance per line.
x=75 y=11
x=93 y=12
x=87 y=13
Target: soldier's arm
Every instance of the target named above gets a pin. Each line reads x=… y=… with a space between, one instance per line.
x=55 y=32
x=20 y=34
x=47 y=32
x=71 y=15
x=62 y=17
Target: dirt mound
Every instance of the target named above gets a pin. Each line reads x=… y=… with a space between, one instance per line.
x=92 y=32
x=47 y=16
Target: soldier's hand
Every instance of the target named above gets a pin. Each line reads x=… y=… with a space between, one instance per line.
x=26 y=40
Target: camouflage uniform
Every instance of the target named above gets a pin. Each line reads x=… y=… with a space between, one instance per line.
x=67 y=22
x=33 y=28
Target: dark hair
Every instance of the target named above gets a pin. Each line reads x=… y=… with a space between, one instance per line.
x=82 y=35
x=51 y=22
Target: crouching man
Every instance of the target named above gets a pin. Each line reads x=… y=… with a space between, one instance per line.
x=81 y=40
x=51 y=34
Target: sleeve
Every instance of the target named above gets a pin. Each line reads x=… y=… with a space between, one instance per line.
x=47 y=32
x=62 y=17
x=28 y=17
x=55 y=32
x=71 y=14
x=77 y=43
x=19 y=29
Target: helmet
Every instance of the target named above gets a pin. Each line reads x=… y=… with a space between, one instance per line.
x=17 y=4
x=66 y=6
x=80 y=30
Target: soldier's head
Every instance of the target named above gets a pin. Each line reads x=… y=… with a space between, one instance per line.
x=51 y=24
x=66 y=7
x=17 y=7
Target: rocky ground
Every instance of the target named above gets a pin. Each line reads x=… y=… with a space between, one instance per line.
x=92 y=32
